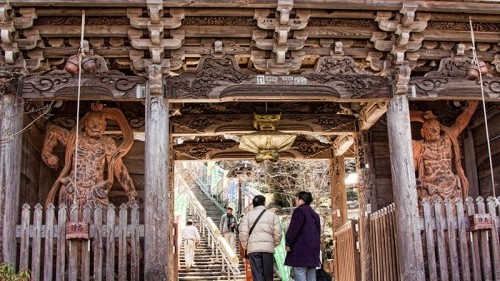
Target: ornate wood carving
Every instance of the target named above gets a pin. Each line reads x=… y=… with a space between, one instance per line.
x=77 y=21
x=350 y=82
x=136 y=123
x=367 y=197
x=201 y=150
x=97 y=154
x=336 y=78
x=219 y=21
x=284 y=38
x=449 y=82
x=204 y=148
x=62 y=85
x=242 y=123
x=437 y=156
x=211 y=73
x=309 y=148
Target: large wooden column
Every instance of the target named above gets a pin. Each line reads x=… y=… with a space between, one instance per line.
x=338 y=192
x=367 y=199
x=404 y=188
x=11 y=112
x=157 y=199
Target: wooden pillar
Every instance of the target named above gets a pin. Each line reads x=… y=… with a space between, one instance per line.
x=409 y=243
x=367 y=198
x=157 y=198
x=11 y=113
x=338 y=192
x=470 y=163
x=173 y=267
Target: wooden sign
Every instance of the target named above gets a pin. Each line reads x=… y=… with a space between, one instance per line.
x=77 y=230
x=480 y=222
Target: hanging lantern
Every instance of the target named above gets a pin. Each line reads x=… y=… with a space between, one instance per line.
x=266 y=143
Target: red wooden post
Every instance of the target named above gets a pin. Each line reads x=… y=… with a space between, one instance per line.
x=246 y=263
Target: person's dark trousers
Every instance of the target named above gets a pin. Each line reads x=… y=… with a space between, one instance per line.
x=262 y=266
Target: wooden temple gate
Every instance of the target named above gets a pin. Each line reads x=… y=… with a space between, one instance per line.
x=189 y=77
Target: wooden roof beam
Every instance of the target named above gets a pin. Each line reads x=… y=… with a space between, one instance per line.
x=483 y=7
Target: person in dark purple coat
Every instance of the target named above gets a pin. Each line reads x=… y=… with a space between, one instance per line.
x=303 y=240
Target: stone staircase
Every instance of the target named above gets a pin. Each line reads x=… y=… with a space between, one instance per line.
x=206 y=266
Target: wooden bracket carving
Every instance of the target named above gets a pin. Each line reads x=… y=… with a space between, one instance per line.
x=12 y=43
x=281 y=43
x=408 y=29
x=402 y=78
x=155 y=8
x=155 y=79
x=341 y=144
x=370 y=114
x=156 y=25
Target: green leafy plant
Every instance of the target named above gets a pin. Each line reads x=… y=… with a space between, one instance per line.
x=8 y=273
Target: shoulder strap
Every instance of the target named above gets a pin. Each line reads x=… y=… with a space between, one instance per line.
x=255 y=222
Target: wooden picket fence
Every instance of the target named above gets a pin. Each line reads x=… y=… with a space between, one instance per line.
x=460 y=242
x=346 y=253
x=112 y=250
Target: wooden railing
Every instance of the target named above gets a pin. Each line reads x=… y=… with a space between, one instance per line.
x=460 y=242
x=109 y=250
x=346 y=253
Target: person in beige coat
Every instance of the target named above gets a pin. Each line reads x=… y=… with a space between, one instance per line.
x=260 y=243
x=191 y=238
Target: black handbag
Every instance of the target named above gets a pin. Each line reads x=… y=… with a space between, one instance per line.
x=322 y=275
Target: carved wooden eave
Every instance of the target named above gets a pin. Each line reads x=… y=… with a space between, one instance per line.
x=219 y=148
x=280 y=39
x=333 y=79
x=450 y=83
x=219 y=124
x=62 y=85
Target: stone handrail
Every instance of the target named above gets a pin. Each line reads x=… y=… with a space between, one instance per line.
x=231 y=256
